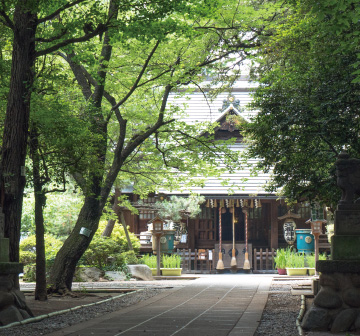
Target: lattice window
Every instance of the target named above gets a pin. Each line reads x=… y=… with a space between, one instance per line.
x=147 y=213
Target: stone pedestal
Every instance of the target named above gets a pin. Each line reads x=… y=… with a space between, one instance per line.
x=13 y=306
x=336 y=307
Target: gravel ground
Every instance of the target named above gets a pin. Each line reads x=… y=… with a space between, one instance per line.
x=51 y=324
x=278 y=318
x=281 y=311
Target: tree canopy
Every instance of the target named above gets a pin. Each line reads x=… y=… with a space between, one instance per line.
x=307 y=98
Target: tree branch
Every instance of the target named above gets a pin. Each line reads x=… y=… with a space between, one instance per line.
x=99 y=29
x=61 y=9
x=39 y=39
x=7 y=21
x=133 y=88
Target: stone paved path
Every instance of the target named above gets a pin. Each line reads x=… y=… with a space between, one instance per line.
x=230 y=304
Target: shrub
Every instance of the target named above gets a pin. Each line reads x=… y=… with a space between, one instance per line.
x=28 y=249
x=100 y=251
x=130 y=258
x=110 y=253
x=118 y=235
x=28 y=254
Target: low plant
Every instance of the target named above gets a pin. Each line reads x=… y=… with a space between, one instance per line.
x=310 y=259
x=150 y=260
x=280 y=258
x=295 y=260
x=171 y=261
x=130 y=258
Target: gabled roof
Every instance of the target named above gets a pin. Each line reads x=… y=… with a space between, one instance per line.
x=201 y=109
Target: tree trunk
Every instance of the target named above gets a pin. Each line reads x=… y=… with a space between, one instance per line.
x=75 y=245
x=12 y=172
x=122 y=221
x=109 y=228
x=40 y=199
x=111 y=223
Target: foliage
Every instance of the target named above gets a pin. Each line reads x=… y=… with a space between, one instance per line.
x=100 y=250
x=118 y=235
x=295 y=260
x=29 y=273
x=307 y=98
x=110 y=252
x=28 y=249
x=60 y=213
x=171 y=261
x=145 y=50
x=28 y=254
x=329 y=231
x=310 y=259
x=150 y=260
x=131 y=258
x=280 y=258
x=178 y=207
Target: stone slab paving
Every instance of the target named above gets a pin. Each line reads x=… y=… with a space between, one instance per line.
x=230 y=304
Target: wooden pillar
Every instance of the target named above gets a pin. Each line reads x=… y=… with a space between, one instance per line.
x=274 y=233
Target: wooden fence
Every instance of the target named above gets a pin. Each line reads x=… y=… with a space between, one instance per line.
x=263 y=259
x=196 y=261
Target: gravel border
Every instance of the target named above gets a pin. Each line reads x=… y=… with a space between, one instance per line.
x=281 y=310
x=51 y=324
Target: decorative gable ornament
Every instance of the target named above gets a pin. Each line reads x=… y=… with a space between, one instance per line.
x=231 y=100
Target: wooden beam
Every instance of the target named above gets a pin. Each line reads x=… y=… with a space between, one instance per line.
x=274 y=232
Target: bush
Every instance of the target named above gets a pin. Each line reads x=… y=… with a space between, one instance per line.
x=118 y=235
x=100 y=252
x=28 y=254
x=130 y=258
x=110 y=253
x=28 y=249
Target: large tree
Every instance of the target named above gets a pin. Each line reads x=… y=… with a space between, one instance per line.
x=307 y=98
x=135 y=131
x=34 y=34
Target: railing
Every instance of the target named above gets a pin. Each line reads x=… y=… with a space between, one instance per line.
x=196 y=261
x=263 y=259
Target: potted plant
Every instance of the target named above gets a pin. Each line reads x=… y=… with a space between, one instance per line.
x=171 y=265
x=150 y=260
x=311 y=262
x=280 y=261
x=295 y=264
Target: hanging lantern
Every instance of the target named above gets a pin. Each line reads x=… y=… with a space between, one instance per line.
x=289 y=231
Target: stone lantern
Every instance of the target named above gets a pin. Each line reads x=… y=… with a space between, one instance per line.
x=157 y=232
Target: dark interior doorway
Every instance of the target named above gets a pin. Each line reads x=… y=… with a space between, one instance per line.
x=226 y=223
